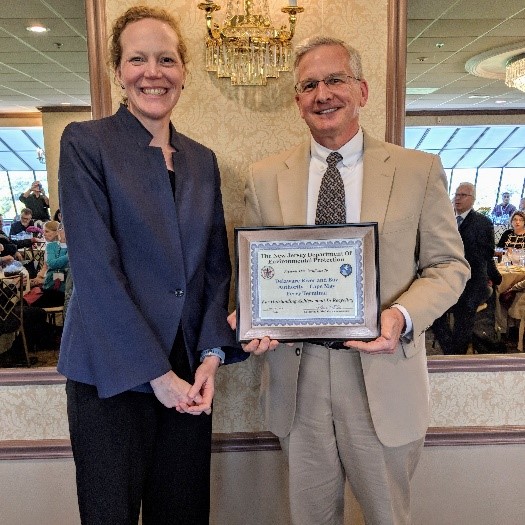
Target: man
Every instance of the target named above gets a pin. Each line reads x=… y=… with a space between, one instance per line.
x=36 y=200
x=359 y=412
x=26 y=220
x=477 y=234
x=505 y=209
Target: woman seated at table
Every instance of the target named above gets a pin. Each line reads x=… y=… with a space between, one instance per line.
x=515 y=237
x=52 y=276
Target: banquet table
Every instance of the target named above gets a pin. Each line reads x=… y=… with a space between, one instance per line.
x=510 y=276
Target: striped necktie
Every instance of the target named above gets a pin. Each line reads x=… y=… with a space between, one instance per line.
x=459 y=220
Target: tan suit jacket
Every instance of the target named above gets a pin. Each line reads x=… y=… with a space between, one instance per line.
x=421 y=267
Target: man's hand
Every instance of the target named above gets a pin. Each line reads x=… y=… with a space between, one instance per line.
x=172 y=391
x=255 y=346
x=392 y=326
x=204 y=386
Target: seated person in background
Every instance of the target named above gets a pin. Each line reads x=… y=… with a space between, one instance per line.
x=2 y=224
x=7 y=246
x=26 y=221
x=477 y=234
x=52 y=276
x=505 y=208
x=36 y=200
x=515 y=237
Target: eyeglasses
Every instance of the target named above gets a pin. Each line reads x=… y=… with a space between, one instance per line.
x=462 y=195
x=332 y=82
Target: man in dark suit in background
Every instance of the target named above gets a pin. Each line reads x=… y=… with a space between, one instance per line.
x=477 y=234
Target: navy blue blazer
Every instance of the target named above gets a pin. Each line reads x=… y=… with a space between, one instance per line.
x=477 y=234
x=141 y=264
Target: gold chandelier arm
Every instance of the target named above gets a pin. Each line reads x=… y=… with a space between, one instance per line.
x=209 y=6
x=291 y=11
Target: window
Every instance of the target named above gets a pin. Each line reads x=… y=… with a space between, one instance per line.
x=22 y=161
x=491 y=157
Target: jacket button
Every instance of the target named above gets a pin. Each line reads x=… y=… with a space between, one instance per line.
x=297 y=352
x=179 y=292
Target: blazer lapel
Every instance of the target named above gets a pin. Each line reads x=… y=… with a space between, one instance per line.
x=292 y=186
x=378 y=176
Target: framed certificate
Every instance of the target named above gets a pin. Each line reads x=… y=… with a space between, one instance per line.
x=305 y=283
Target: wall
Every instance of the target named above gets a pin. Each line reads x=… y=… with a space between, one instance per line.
x=54 y=122
x=452 y=485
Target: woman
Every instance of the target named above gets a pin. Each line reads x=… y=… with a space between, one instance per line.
x=52 y=275
x=515 y=237
x=143 y=339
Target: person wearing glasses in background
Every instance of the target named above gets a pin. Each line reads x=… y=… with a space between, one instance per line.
x=515 y=236
x=37 y=201
x=357 y=410
x=477 y=234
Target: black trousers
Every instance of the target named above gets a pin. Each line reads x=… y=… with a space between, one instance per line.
x=130 y=450
x=455 y=341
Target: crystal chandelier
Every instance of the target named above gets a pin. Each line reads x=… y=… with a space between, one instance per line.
x=247 y=48
x=515 y=72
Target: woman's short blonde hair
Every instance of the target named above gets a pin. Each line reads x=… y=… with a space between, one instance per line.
x=52 y=226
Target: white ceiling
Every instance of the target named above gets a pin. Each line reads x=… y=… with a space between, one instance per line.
x=35 y=72
x=46 y=69
x=466 y=28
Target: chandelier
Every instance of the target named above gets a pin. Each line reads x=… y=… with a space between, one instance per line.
x=515 y=72
x=248 y=48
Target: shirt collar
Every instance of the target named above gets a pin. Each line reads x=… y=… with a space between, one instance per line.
x=352 y=151
x=464 y=214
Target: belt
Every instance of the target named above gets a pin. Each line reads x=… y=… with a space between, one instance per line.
x=334 y=345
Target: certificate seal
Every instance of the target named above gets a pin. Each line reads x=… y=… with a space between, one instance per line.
x=267 y=272
x=345 y=270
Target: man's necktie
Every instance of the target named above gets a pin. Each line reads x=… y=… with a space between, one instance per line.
x=331 y=207
x=459 y=220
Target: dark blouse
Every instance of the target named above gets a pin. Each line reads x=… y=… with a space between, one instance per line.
x=510 y=240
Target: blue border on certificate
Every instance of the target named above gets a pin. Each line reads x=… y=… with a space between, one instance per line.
x=357 y=268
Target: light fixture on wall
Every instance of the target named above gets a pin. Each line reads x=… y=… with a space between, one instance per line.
x=515 y=72
x=248 y=48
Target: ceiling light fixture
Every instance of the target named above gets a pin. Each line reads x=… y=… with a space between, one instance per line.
x=515 y=72
x=37 y=28
x=248 y=48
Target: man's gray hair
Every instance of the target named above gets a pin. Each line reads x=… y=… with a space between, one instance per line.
x=354 y=58
x=470 y=186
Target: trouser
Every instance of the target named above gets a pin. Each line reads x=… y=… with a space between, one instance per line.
x=456 y=340
x=130 y=450
x=333 y=438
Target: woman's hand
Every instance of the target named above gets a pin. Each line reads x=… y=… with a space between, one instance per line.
x=172 y=391
x=37 y=281
x=255 y=346
x=204 y=386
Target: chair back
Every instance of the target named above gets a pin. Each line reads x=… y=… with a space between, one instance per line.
x=12 y=308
